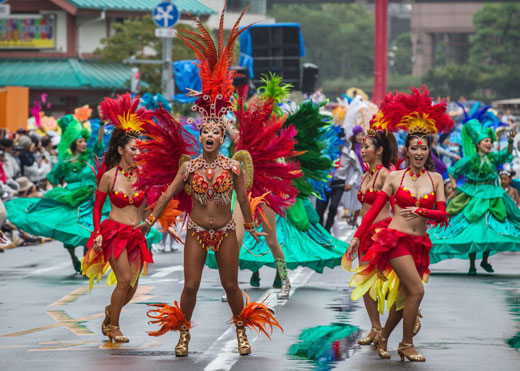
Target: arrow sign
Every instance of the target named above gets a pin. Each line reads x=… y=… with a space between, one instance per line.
x=165 y=15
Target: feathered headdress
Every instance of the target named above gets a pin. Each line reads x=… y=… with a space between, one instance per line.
x=380 y=120
x=213 y=102
x=123 y=113
x=416 y=113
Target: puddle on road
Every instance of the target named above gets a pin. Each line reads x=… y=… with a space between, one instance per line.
x=323 y=346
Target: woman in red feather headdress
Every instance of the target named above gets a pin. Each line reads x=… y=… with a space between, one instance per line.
x=400 y=252
x=115 y=243
x=210 y=180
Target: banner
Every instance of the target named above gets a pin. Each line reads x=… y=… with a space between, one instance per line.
x=28 y=32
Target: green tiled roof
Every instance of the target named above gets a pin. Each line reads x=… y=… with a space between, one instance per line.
x=64 y=74
x=194 y=7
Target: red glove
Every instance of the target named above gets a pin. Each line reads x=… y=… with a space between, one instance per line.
x=439 y=214
x=98 y=209
x=372 y=213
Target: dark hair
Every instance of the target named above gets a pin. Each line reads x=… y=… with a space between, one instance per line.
x=118 y=139
x=46 y=141
x=509 y=173
x=6 y=143
x=429 y=165
x=389 y=144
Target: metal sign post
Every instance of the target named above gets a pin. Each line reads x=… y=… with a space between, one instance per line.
x=165 y=15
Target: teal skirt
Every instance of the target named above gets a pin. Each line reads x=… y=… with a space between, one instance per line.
x=303 y=240
x=49 y=217
x=483 y=218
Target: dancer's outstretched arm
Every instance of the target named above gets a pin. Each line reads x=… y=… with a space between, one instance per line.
x=174 y=188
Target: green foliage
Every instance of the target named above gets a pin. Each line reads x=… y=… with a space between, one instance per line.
x=401 y=55
x=338 y=37
x=453 y=80
x=133 y=37
x=497 y=35
x=492 y=71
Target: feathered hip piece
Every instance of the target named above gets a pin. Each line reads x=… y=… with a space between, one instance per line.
x=256 y=316
x=170 y=318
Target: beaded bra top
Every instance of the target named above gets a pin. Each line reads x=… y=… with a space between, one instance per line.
x=405 y=198
x=121 y=199
x=221 y=190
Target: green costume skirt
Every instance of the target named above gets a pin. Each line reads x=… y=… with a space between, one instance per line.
x=58 y=217
x=303 y=240
x=483 y=218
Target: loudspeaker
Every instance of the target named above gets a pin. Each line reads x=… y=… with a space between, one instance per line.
x=310 y=78
x=276 y=49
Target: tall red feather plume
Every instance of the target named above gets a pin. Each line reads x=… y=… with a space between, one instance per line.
x=214 y=68
x=159 y=158
x=263 y=137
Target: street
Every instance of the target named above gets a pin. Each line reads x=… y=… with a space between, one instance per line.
x=50 y=321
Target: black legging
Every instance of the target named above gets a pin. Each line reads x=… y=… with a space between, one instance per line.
x=334 y=197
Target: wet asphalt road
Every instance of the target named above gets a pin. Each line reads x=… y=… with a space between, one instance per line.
x=49 y=321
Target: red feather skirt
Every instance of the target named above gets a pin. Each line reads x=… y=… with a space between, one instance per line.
x=379 y=277
x=118 y=237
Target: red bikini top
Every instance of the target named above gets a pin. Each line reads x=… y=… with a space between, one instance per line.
x=370 y=194
x=121 y=200
x=405 y=198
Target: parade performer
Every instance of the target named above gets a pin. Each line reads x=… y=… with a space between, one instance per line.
x=114 y=242
x=379 y=151
x=485 y=219
x=259 y=131
x=65 y=213
x=302 y=239
x=210 y=180
x=403 y=247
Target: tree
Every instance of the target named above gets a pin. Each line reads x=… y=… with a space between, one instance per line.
x=401 y=54
x=497 y=35
x=136 y=37
x=453 y=80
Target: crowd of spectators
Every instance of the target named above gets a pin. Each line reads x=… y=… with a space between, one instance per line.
x=25 y=159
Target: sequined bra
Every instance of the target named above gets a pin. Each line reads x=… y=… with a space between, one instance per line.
x=370 y=194
x=221 y=190
x=121 y=200
x=405 y=198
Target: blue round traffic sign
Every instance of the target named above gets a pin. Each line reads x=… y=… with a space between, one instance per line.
x=165 y=15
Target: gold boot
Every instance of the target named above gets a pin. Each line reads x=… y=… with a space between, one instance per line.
x=244 y=347
x=118 y=338
x=181 y=349
x=370 y=339
x=411 y=358
x=377 y=342
x=104 y=327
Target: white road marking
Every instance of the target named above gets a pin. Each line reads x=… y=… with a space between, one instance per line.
x=48 y=269
x=226 y=344
x=163 y=272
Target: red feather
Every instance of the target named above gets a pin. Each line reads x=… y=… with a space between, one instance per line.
x=159 y=158
x=263 y=137
x=395 y=108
